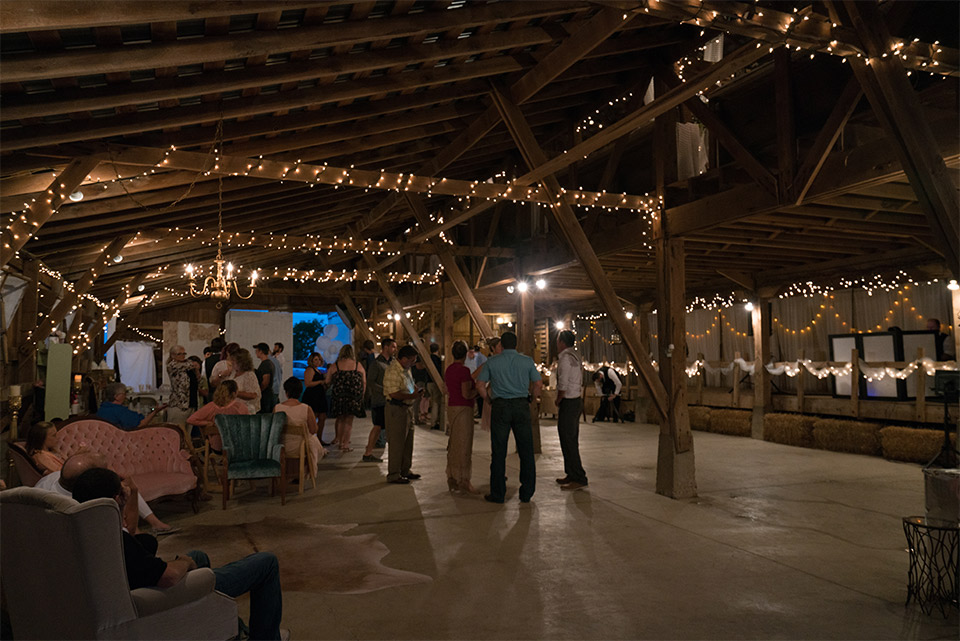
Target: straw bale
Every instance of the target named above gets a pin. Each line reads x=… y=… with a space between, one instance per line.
x=733 y=422
x=789 y=429
x=912 y=444
x=699 y=417
x=857 y=437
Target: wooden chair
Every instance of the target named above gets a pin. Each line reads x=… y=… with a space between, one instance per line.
x=211 y=458
x=304 y=469
x=253 y=449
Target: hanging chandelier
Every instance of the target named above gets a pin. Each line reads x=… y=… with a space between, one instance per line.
x=222 y=283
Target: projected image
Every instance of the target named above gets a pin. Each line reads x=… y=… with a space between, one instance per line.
x=324 y=333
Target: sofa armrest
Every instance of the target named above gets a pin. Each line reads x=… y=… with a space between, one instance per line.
x=194 y=585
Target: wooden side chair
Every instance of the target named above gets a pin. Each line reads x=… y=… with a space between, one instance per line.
x=304 y=469
x=253 y=449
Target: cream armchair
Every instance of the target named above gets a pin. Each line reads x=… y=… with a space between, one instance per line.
x=63 y=574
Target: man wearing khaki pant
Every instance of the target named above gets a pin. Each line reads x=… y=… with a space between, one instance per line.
x=401 y=393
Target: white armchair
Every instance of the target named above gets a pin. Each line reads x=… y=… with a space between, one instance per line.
x=64 y=577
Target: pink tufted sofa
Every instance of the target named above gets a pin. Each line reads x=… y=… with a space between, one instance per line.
x=151 y=455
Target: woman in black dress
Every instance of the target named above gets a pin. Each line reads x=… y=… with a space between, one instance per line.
x=315 y=391
x=347 y=380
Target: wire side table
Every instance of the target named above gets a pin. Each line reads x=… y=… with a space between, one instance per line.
x=933 y=578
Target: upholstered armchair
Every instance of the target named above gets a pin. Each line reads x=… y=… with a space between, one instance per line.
x=253 y=449
x=64 y=577
x=27 y=471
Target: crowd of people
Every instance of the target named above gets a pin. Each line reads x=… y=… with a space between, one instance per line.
x=400 y=390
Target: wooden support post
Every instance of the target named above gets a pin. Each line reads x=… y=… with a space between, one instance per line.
x=72 y=298
x=855 y=383
x=407 y=325
x=569 y=228
x=14 y=237
x=359 y=321
x=700 y=374
x=786 y=132
x=735 y=393
x=921 y=403
x=449 y=262
x=800 y=381
x=525 y=334
x=27 y=360
x=762 y=401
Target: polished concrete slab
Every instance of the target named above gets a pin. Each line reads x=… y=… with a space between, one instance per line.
x=781 y=543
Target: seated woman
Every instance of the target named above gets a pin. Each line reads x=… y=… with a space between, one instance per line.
x=298 y=415
x=42 y=447
x=224 y=401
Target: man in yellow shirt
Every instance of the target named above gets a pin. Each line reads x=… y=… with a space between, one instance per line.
x=401 y=393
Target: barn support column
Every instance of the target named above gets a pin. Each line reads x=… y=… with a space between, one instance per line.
x=525 y=334
x=762 y=397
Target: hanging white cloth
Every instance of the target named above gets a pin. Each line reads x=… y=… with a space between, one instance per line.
x=138 y=367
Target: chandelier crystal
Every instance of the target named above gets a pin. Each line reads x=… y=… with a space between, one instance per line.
x=222 y=283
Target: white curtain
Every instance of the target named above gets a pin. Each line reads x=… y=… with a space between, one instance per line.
x=138 y=367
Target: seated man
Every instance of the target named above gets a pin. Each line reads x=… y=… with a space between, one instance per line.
x=608 y=387
x=115 y=410
x=61 y=482
x=258 y=574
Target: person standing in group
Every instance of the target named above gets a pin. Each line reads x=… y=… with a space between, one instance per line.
x=299 y=415
x=475 y=360
x=179 y=370
x=401 y=393
x=216 y=349
x=278 y=377
x=388 y=348
x=277 y=354
x=266 y=376
x=315 y=392
x=433 y=391
x=510 y=375
x=248 y=387
x=461 y=393
x=569 y=403
x=347 y=379
x=608 y=387
x=222 y=370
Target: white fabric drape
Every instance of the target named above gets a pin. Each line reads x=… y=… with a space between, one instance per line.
x=138 y=366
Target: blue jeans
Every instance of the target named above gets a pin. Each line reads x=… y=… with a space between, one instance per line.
x=258 y=574
x=511 y=414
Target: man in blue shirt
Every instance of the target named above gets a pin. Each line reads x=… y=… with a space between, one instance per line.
x=115 y=410
x=510 y=375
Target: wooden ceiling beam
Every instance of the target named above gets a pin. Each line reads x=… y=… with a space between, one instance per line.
x=14 y=236
x=132 y=57
x=111 y=96
x=574 y=48
x=39 y=135
x=898 y=109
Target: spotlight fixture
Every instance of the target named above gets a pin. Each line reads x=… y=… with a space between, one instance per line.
x=559 y=325
x=118 y=258
x=748 y=306
x=952 y=285
x=511 y=289
x=522 y=286
x=141 y=287
x=541 y=284
x=629 y=315
x=76 y=196
x=500 y=320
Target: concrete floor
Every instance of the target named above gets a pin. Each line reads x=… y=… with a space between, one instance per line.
x=783 y=542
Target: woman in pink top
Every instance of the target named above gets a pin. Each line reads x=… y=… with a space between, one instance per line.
x=41 y=446
x=461 y=392
x=224 y=401
x=299 y=415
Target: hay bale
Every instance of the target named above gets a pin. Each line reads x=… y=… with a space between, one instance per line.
x=699 y=417
x=857 y=437
x=789 y=429
x=733 y=422
x=912 y=444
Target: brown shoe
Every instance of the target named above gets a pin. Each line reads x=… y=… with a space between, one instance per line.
x=563 y=481
x=572 y=485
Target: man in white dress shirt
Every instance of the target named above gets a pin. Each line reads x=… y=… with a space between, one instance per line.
x=569 y=401
x=608 y=387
